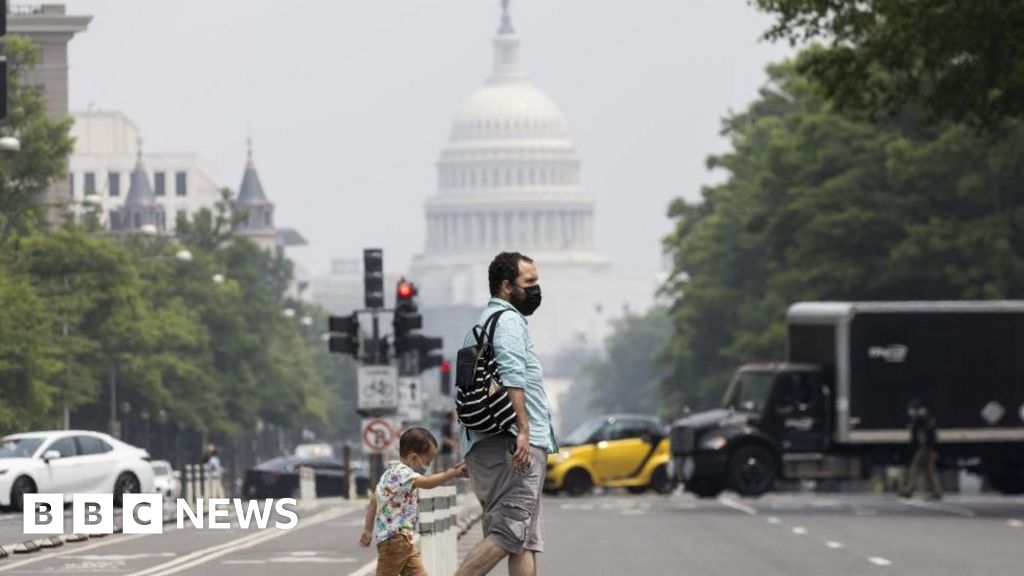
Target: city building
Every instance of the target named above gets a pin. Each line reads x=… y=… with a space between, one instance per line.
x=107 y=159
x=509 y=179
x=50 y=28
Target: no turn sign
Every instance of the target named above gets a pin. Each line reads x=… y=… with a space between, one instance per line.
x=379 y=434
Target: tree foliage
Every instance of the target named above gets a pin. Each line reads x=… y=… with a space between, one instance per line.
x=626 y=379
x=825 y=204
x=45 y=144
x=958 y=59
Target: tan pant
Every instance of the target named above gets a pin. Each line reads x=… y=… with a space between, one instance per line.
x=398 y=557
x=923 y=462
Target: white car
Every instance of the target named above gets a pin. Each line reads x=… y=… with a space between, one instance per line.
x=165 y=479
x=69 y=462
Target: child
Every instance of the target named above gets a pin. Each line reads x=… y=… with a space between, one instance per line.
x=394 y=505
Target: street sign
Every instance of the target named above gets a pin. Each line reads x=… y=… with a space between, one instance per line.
x=379 y=434
x=410 y=398
x=378 y=388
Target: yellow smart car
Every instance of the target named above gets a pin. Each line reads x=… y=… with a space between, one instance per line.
x=618 y=451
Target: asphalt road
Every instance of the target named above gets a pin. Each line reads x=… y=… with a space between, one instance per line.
x=780 y=534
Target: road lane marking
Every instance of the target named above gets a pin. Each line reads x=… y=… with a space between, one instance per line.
x=834 y=545
x=1014 y=523
x=213 y=552
x=879 y=561
x=774 y=520
x=737 y=505
x=799 y=530
x=73 y=550
x=947 y=508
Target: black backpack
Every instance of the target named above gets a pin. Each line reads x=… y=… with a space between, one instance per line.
x=481 y=401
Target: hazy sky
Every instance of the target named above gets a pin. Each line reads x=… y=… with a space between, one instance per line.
x=349 y=102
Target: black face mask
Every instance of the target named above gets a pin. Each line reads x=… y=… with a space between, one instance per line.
x=530 y=301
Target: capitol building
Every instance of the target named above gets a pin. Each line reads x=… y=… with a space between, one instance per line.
x=509 y=178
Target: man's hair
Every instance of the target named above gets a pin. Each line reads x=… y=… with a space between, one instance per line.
x=416 y=441
x=505 y=266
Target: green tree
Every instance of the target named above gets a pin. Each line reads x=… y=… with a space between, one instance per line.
x=959 y=60
x=45 y=145
x=824 y=204
x=626 y=379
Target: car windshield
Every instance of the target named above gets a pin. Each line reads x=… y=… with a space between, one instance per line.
x=749 y=391
x=584 y=432
x=19 y=447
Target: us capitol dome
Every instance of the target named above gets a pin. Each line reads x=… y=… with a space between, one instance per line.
x=509 y=179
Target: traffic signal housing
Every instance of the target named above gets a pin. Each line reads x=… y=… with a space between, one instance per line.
x=344 y=334
x=407 y=317
x=446 y=378
x=373 y=277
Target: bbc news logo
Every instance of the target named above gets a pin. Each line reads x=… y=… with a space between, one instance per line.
x=144 y=514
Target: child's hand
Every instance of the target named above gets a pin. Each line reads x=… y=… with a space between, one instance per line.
x=365 y=539
x=461 y=470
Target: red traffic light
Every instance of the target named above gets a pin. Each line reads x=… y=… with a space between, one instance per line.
x=406 y=290
x=446 y=366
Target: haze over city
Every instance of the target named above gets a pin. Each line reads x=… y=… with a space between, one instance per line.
x=349 y=103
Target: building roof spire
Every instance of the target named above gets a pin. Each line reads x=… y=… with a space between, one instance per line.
x=506 y=20
x=251 y=190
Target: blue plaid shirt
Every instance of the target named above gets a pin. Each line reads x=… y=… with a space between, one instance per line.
x=519 y=368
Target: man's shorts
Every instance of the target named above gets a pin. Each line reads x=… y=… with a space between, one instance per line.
x=399 y=557
x=509 y=494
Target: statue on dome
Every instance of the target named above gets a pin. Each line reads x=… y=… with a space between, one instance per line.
x=506 y=21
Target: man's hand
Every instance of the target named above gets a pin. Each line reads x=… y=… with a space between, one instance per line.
x=460 y=470
x=522 y=453
x=365 y=539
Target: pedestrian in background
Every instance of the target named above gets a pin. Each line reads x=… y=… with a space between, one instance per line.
x=449 y=442
x=507 y=470
x=393 y=511
x=924 y=439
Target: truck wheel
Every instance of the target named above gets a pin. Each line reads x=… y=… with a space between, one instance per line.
x=752 y=470
x=704 y=487
x=661 y=483
x=577 y=482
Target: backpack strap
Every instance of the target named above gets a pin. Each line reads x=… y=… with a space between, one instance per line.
x=494 y=325
x=480 y=331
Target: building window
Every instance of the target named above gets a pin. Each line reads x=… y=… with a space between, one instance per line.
x=181 y=183
x=89 y=186
x=114 y=184
x=182 y=216
x=160 y=183
x=269 y=220
x=71 y=181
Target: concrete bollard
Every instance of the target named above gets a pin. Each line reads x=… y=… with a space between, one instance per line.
x=438 y=531
x=307 y=484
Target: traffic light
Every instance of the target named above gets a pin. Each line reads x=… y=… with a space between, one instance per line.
x=373 y=277
x=429 y=350
x=407 y=317
x=446 y=378
x=344 y=337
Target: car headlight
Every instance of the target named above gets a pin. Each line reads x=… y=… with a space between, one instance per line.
x=714 y=442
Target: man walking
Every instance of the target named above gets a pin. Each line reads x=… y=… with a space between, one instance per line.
x=923 y=437
x=507 y=470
